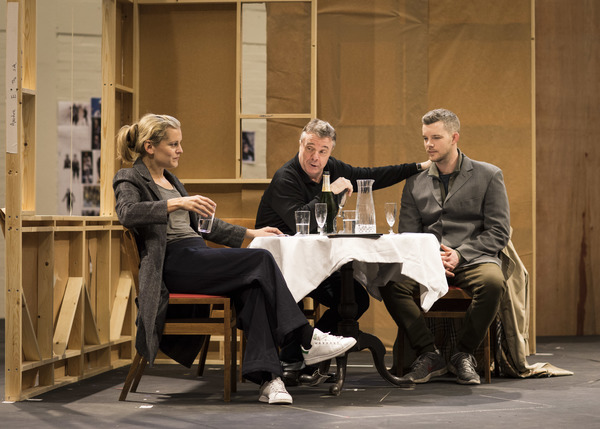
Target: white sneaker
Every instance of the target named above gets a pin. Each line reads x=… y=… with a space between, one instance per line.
x=326 y=346
x=274 y=392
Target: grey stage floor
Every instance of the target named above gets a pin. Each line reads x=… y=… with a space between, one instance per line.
x=170 y=396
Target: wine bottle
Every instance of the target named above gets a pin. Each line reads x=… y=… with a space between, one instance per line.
x=328 y=198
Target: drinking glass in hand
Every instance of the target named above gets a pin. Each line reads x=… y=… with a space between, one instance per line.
x=321 y=216
x=390 y=215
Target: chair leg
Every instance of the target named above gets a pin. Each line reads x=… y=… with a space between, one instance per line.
x=233 y=360
x=227 y=359
x=202 y=355
x=132 y=375
x=241 y=379
x=139 y=374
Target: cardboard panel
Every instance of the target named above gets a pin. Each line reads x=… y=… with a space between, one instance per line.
x=187 y=64
x=567 y=105
x=382 y=65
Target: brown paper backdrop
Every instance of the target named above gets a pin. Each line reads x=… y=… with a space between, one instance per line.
x=568 y=157
x=187 y=69
x=383 y=64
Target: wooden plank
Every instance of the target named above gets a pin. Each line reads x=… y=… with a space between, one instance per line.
x=313 y=59
x=108 y=132
x=61 y=272
x=90 y=330
x=238 y=92
x=31 y=350
x=92 y=287
x=103 y=296
x=191 y=328
x=120 y=305
x=28 y=144
x=45 y=268
x=29 y=48
x=66 y=314
x=13 y=341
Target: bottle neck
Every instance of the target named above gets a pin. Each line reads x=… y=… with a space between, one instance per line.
x=326 y=185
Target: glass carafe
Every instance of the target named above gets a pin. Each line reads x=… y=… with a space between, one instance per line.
x=365 y=209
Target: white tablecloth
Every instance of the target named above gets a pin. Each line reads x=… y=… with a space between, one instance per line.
x=306 y=261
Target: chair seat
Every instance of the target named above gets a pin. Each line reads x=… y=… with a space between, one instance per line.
x=453 y=305
x=192 y=295
x=221 y=321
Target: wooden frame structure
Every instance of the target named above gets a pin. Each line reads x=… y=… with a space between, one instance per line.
x=69 y=308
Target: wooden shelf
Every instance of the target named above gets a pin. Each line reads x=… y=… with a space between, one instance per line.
x=124 y=89
x=225 y=181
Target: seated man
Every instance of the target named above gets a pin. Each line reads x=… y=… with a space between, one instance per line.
x=464 y=203
x=297 y=186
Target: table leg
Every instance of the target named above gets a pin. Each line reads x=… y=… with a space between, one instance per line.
x=349 y=327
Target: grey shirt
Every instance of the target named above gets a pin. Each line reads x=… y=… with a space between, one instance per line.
x=178 y=226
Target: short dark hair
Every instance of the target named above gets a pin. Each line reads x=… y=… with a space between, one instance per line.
x=448 y=118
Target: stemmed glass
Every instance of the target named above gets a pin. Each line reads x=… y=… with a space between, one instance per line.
x=321 y=215
x=342 y=201
x=390 y=215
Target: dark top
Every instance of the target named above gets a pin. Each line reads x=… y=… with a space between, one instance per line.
x=291 y=189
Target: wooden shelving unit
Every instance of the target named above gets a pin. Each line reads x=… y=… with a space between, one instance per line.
x=70 y=312
x=200 y=44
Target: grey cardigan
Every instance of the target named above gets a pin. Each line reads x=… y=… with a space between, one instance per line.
x=140 y=209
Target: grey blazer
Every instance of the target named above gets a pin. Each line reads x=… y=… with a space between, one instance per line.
x=140 y=209
x=475 y=217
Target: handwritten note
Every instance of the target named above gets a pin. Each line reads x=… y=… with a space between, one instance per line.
x=12 y=84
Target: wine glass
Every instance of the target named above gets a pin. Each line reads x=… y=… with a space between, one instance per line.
x=342 y=201
x=390 y=215
x=321 y=215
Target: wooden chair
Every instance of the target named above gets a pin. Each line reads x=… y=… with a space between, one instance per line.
x=221 y=321
x=453 y=305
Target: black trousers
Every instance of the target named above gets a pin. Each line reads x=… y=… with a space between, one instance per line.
x=266 y=310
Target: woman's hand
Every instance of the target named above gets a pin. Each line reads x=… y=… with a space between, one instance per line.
x=194 y=203
x=267 y=231
x=425 y=165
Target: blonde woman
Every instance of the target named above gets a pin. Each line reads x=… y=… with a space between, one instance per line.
x=153 y=203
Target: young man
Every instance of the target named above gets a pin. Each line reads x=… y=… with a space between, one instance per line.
x=464 y=204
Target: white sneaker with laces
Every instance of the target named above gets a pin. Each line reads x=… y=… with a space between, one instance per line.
x=326 y=346
x=274 y=392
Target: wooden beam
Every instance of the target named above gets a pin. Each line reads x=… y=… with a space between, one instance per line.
x=66 y=316
x=14 y=244
x=120 y=305
x=31 y=349
x=108 y=131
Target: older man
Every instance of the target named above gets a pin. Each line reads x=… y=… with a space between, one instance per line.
x=464 y=203
x=297 y=186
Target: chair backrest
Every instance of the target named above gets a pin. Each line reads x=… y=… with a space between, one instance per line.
x=130 y=249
